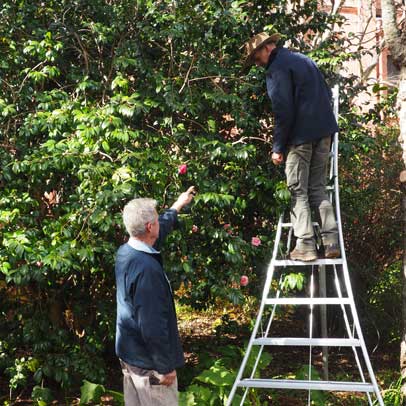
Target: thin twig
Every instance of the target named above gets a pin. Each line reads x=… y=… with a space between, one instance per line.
x=106 y=155
x=187 y=74
x=84 y=51
x=242 y=140
x=26 y=76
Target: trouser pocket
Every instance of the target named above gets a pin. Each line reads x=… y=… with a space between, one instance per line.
x=292 y=175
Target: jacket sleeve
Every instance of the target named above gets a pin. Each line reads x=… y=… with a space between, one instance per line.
x=153 y=303
x=280 y=91
x=167 y=222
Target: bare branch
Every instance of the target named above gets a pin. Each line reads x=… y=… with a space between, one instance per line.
x=187 y=74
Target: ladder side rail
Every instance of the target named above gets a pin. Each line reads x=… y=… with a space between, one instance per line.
x=334 y=144
x=349 y=331
x=309 y=393
x=347 y=277
x=268 y=281
x=268 y=327
x=322 y=268
x=323 y=317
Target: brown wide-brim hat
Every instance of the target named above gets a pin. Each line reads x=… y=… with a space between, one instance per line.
x=256 y=43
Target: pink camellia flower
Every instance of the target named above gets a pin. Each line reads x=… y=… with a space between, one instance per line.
x=255 y=241
x=244 y=280
x=228 y=229
x=182 y=169
x=195 y=229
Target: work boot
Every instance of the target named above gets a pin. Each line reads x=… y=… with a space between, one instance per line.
x=303 y=255
x=332 y=251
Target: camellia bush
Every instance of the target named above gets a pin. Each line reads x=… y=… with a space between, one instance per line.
x=104 y=101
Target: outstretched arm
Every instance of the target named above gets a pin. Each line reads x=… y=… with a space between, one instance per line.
x=184 y=199
x=168 y=220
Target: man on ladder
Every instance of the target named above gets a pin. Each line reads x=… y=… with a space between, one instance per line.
x=304 y=125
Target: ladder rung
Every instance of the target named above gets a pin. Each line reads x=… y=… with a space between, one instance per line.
x=290 y=224
x=324 y=261
x=305 y=385
x=315 y=342
x=307 y=301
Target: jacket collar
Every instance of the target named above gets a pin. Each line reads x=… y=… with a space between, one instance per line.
x=272 y=57
x=141 y=246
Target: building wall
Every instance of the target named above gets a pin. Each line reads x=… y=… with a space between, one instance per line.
x=364 y=19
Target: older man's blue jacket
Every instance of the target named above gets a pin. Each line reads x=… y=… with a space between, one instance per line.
x=301 y=100
x=146 y=332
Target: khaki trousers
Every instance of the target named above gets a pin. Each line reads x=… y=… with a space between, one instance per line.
x=139 y=389
x=306 y=175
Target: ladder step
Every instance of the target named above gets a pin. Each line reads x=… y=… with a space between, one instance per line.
x=308 y=301
x=315 y=342
x=305 y=385
x=324 y=261
x=290 y=224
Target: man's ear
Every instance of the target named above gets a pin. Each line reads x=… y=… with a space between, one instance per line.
x=270 y=46
x=148 y=227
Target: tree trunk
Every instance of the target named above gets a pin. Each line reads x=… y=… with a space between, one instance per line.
x=403 y=341
x=395 y=40
x=401 y=104
x=394 y=36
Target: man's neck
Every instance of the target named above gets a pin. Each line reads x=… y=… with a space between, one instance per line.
x=145 y=240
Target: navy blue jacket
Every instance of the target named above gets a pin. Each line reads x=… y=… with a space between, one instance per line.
x=146 y=332
x=301 y=100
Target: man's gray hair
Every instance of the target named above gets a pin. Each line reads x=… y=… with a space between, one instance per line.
x=137 y=213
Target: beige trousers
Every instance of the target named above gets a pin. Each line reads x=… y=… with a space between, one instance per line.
x=141 y=388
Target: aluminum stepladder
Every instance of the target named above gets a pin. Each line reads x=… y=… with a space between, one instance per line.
x=344 y=298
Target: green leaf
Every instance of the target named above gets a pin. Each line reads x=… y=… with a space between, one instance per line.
x=90 y=392
x=217 y=375
x=106 y=146
x=43 y=396
x=186 y=267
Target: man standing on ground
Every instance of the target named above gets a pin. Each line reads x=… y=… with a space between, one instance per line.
x=147 y=337
x=304 y=125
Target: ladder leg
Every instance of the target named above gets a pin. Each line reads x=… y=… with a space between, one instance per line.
x=248 y=350
x=290 y=233
x=265 y=293
x=349 y=332
x=261 y=348
x=309 y=396
x=323 y=317
x=249 y=347
x=345 y=269
x=361 y=338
